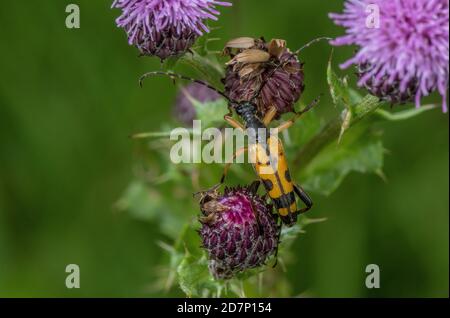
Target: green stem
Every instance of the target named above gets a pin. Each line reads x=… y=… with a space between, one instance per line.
x=332 y=129
x=156 y=134
x=405 y=114
x=237 y=17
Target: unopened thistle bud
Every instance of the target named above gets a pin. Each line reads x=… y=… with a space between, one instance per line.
x=238 y=231
x=184 y=111
x=272 y=66
x=165 y=28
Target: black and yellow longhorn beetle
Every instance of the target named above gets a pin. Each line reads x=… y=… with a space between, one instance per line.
x=274 y=174
x=270 y=164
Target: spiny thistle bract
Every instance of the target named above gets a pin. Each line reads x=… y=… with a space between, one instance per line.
x=184 y=110
x=385 y=90
x=406 y=55
x=238 y=231
x=165 y=28
x=257 y=63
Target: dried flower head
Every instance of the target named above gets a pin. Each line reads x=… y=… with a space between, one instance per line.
x=184 y=110
x=255 y=63
x=238 y=231
x=404 y=52
x=165 y=28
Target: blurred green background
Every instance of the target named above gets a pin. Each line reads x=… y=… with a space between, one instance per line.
x=68 y=101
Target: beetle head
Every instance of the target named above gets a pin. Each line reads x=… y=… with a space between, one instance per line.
x=245 y=107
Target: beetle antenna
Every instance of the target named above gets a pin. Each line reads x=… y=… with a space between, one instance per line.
x=182 y=77
x=310 y=106
x=311 y=43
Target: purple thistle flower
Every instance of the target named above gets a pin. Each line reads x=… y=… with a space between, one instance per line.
x=184 y=110
x=407 y=56
x=231 y=233
x=165 y=27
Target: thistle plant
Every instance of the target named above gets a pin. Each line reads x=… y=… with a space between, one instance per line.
x=239 y=231
x=217 y=245
x=165 y=28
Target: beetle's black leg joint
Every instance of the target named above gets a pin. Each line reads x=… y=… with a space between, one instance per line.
x=258 y=222
x=280 y=226
x=253 y=188
x=306 y=199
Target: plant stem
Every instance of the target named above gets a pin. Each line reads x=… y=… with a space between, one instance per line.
x=330 y=132
x=405 y=114
x=159 y=134
x=237 y=17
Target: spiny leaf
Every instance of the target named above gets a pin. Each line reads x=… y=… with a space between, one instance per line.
x=192 y=270
x=347 y=119
x=355 y=96
x=338 y=87
x=194 y=277
x=342 y=96
x=210 y=113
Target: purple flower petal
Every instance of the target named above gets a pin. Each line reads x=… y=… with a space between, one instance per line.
x=411 y=43
x=143 y=20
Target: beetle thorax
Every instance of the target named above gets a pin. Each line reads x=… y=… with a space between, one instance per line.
x=247 y=111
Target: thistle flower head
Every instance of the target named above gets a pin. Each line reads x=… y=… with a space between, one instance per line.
x=238 y=231
x=165 y=27
x=404 y=54
x=270 y=66
x=184 y=110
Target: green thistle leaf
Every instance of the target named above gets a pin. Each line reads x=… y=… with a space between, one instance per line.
x=210 y=113
x=339 y=90
x=361 y=151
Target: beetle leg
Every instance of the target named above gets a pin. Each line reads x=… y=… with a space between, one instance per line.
x=270 y=116
x=258 y=222
x=253 y=188
x=225 y=172
x=304 y=197
x=280 y=226
x=290 y=122
x=286 y=124
x=233 y=122
x=206 y=193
